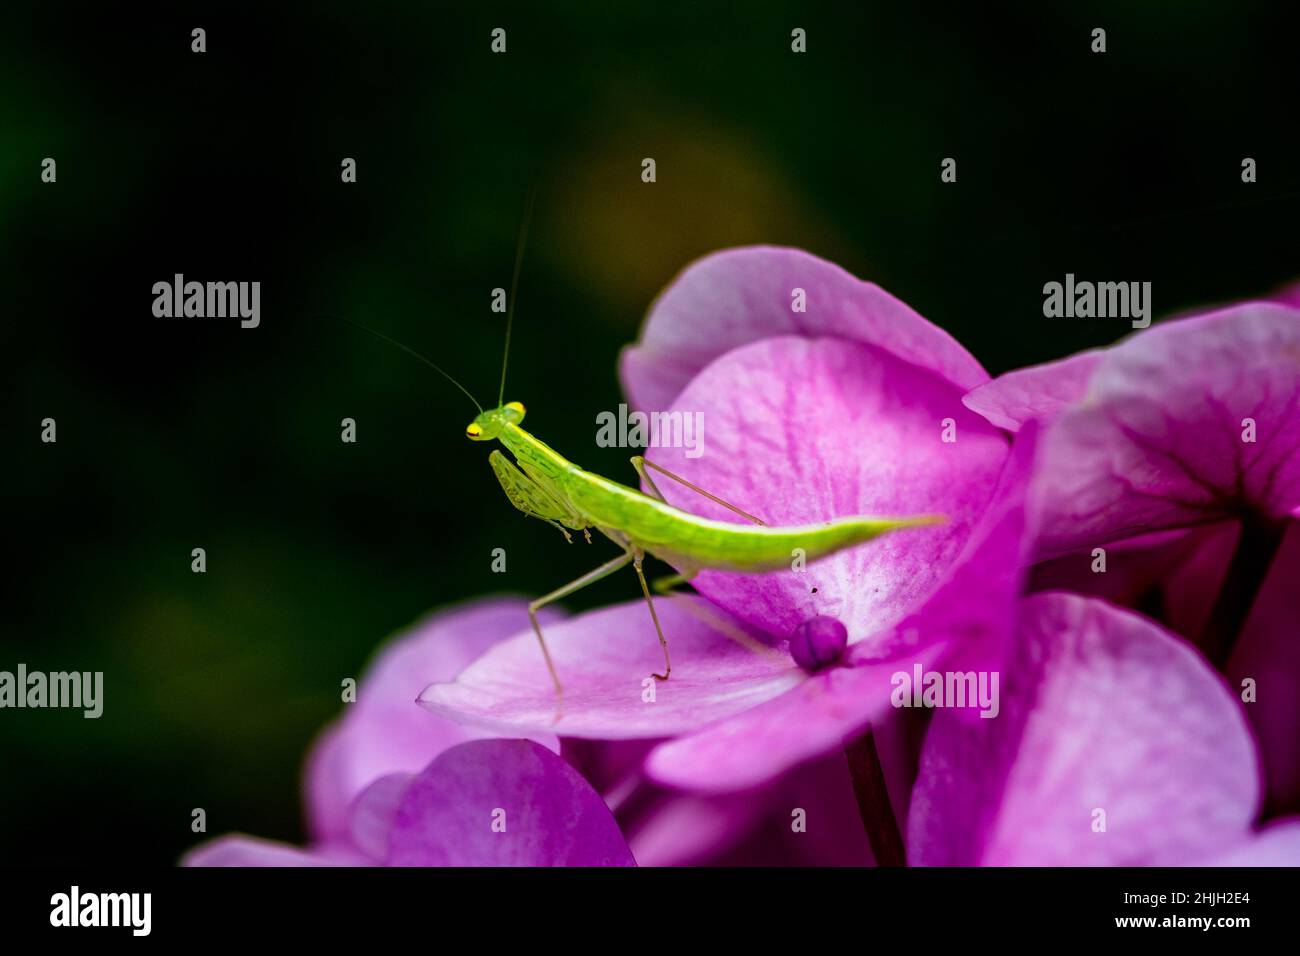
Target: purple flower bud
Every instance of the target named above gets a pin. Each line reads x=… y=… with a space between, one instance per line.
x=818 y=642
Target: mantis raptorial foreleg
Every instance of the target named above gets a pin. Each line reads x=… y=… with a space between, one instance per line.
x=570 y=517
x=641 y=463
x=609 y=567
x=530 y=497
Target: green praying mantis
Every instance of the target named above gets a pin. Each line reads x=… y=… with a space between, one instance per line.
x=543 y=484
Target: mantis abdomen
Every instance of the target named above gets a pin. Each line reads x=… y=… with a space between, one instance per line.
x=683 y=538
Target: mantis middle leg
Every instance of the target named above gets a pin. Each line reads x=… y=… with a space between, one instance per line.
x=669 y=586
x=637 y=558
x=641 y=463
x=609 y=567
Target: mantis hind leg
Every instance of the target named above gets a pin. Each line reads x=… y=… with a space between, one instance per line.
x=641 y=463
x=609 y=567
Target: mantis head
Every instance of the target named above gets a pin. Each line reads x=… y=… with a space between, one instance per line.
x=487 y=425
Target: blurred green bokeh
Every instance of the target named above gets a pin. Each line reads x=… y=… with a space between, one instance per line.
x=175 y=435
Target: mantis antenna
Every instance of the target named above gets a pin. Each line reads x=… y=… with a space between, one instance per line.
x=410 y=351
x=514 y=284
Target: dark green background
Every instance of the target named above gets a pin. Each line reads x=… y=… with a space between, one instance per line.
x=225 y=166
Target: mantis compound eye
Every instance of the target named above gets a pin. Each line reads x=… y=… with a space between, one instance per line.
x=473 y=431
x=516 y=407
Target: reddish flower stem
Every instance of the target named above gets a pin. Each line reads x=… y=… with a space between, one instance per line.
x=873 y=801
x=1256 y=547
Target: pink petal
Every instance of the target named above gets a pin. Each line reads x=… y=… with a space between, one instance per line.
x=739 y=296
x=504 y=803
x=373 y=812
x=801 y=431
x=1275 y=845
x=760 y=744
x=1158 y=441
x=690 y=829
x=1038 y=392
x=604 y=659
x=237 y=850
x=667 y=828
x=1100 y=709
x=384 y=731
x=819 y=797
x=756 y=827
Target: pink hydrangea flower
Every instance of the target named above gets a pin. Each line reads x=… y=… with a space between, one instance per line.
x=1178 y=452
